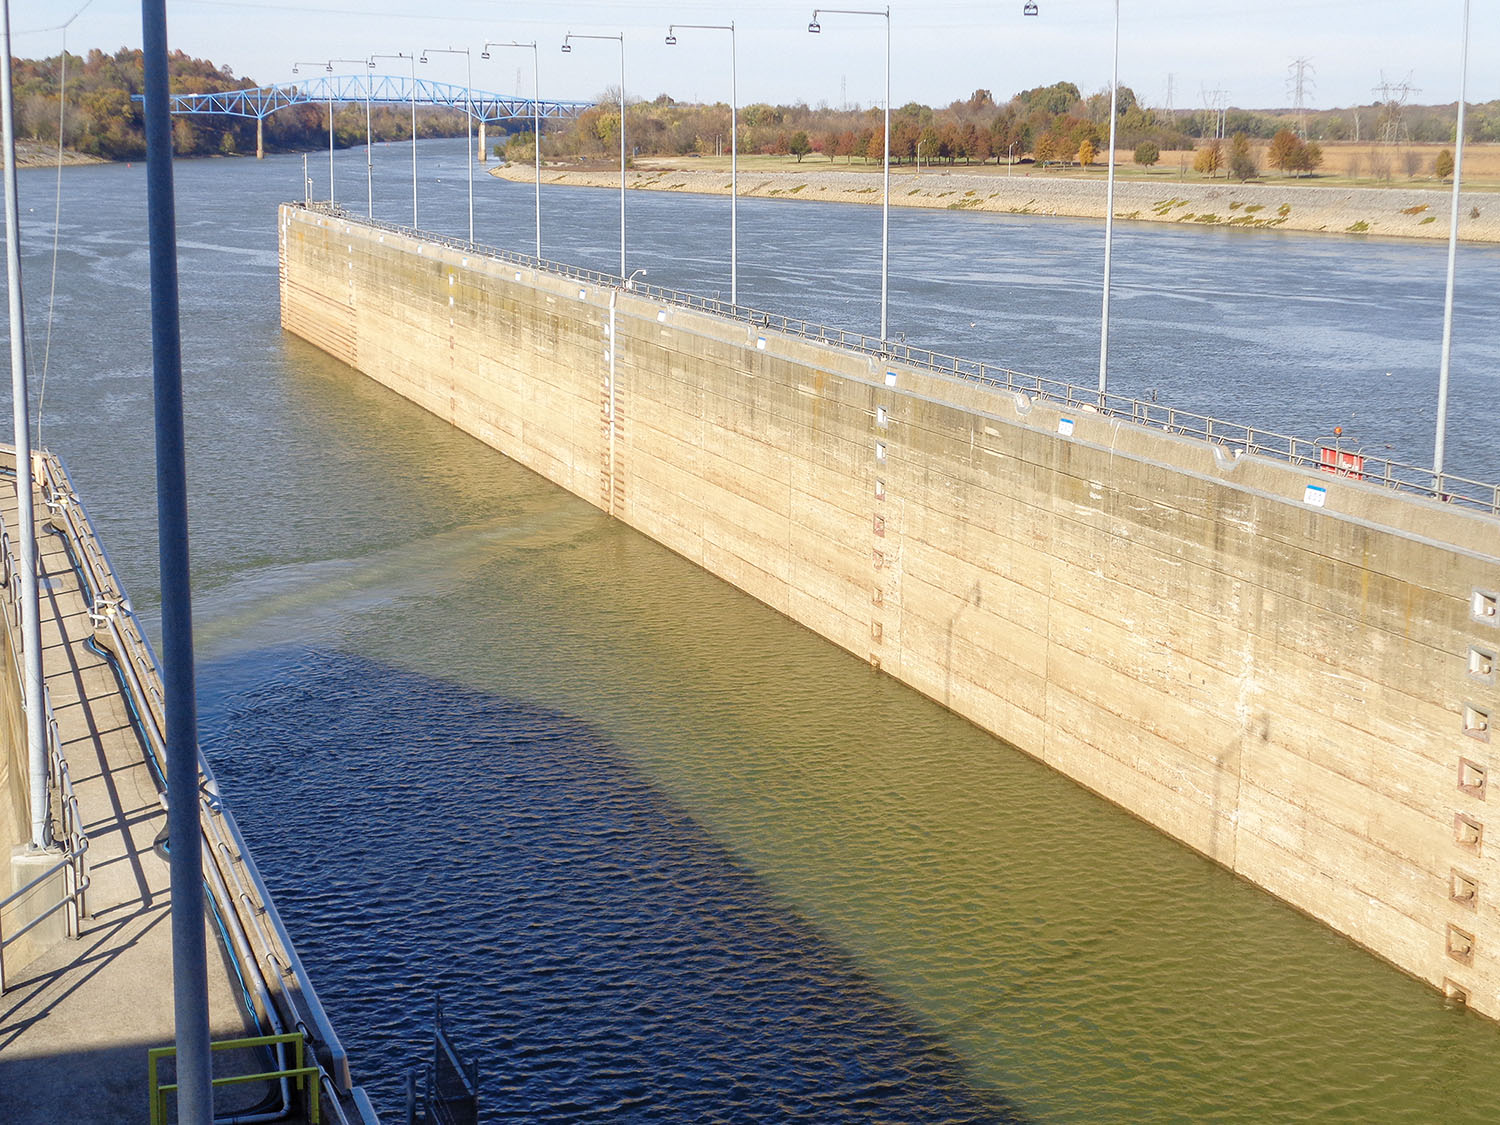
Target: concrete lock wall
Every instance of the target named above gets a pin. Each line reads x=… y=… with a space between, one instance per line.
x=1303 y=693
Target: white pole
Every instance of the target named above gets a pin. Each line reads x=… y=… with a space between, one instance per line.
x=412 y=59
x=622 y=155
x=620 y=38
x=536 y=137
x=1109 y=211
x=369 y=147
x=885 y=207
x=330 y=146
x=734 y=170
x=469 y=95
x=1458 y=171
x=31 y=632
x=734 y=147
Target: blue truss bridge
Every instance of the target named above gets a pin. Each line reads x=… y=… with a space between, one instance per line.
x=376 y=89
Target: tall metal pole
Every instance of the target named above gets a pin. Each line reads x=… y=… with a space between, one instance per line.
x=330 y=146
x=369 y=147
x=885 y=209
x=189 y=956
x=885 y=205
x=1458 y=172
x=369 y=169
x=412 y=59
x=536 y=124
x=622 y=156
x=469 y=117
x=567 y=39
x=469 y=97
x=734 y=147
x=31 y=629
x=536 y=137
x=1109 y=211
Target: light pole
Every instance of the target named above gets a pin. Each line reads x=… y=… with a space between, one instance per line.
x=412 y=59
x=369 y=140
x=919 y=153
x=469 y=115
x=630 y=281
x=536 y=125
x=568 y=49
x=296 y=69
x=1009 y=163
x=734 y=147
x=885 y=207
x=1109 y=211
x=1458 y=171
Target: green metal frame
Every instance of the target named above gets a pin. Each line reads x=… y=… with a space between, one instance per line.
x=301 y=1073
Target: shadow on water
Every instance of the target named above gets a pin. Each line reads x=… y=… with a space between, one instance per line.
x=601 y=954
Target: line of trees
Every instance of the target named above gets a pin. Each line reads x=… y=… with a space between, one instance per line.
x=1051 y=123
x=1055 y=123
x=103 y=120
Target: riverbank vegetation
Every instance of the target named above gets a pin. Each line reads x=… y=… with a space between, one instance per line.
x=1055 y=126
x=101 y=118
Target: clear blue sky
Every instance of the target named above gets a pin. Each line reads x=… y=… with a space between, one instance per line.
x=944 y=49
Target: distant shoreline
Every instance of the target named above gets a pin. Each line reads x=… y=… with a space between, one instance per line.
x=41 y=154
x=1384 y=212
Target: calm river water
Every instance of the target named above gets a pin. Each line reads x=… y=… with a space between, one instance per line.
x=665 y=855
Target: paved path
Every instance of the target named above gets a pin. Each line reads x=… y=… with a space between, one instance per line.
x=76 y=1022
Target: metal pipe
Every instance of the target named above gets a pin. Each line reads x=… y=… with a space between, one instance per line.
x=1458 y=171
x=31 y=631
x=189 y=951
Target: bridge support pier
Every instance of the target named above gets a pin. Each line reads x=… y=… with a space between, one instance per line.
x=260 y=138
x=483 y=155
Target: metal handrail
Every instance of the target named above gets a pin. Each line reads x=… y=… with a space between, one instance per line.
x=115 y=617
x=75 y=840
x=65 y=863
x=1398 y=476
x=157 y=1090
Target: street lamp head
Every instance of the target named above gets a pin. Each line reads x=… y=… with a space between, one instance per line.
x=814 y=27
x=328 y=67
x=484 y=54
x=1030 y=9
x=370 y=64
x=567 y=48
x=295 y=70
x=671 y=40
x=423 y=59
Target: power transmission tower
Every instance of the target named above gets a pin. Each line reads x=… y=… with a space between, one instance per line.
x=1169 y=112
x=1299 y=83
x=1216 y=102
x=843 y=91
x=1392 y=98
